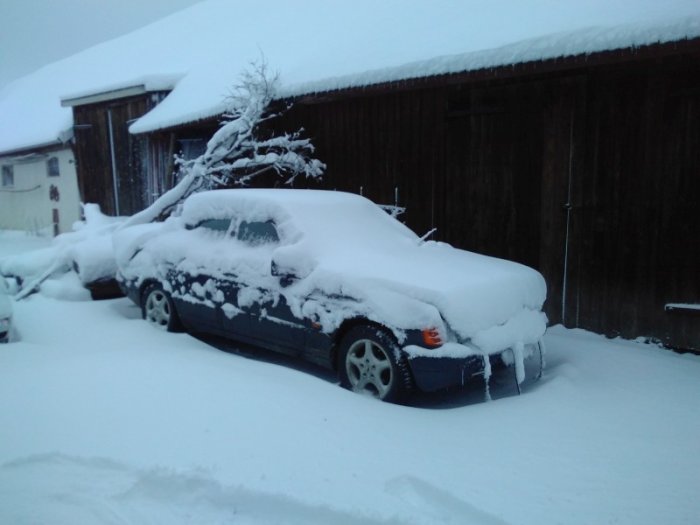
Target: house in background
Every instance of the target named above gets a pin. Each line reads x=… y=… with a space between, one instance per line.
x=39 y=190
x=568 y=140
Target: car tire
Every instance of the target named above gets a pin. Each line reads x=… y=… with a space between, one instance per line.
x=371 y=362
x=157 y=308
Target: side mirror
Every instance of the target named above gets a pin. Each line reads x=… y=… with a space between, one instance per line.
x=285 y=276
x=291 y=264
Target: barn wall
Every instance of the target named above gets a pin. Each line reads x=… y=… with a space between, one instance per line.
x=609 y=154
x=636 y=234
x=591 y=174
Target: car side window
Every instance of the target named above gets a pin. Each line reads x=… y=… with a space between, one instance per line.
x=257 y=233
x=217 y=225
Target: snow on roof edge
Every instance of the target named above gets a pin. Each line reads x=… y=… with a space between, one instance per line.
x=141 y=125
x=148 y=82
x=585 y=41
x=568 y=44
x=63 y=138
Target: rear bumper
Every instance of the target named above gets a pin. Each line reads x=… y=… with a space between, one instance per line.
x=105 y=289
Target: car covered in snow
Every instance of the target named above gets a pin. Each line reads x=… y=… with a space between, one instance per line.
x=5 y=312
x=332 y=278
x=85 y=251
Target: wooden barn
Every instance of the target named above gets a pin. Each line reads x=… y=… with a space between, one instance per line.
x=585 y=167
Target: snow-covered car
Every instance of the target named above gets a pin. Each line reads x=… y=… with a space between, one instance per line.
x=330 y=277
x=5 y=312
x=86 y=250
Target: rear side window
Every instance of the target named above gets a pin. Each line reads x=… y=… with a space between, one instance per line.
x=257 y=233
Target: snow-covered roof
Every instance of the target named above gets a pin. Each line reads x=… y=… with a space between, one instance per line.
x=319 y=45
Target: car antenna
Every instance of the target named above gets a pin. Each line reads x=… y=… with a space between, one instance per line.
x=425 y=237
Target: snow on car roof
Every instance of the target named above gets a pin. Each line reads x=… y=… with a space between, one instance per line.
x=316 y=213
x=320 y=45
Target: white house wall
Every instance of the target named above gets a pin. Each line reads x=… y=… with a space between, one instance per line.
x=29 y=202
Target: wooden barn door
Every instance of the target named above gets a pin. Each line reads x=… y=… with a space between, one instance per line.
x=562 y=123
x=510 y=183
x=635 y=234
x=493 y=170
x=129 y=156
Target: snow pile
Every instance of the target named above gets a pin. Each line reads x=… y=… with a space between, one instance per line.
x=105 y=420
x=87 y=251
x=348 y=258
x=319 y=45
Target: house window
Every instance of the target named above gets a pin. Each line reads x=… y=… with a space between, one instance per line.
x=192 y=148
x=8 y=176
x=52 y=167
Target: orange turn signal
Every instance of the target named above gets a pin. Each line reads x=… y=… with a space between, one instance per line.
x=431 y=337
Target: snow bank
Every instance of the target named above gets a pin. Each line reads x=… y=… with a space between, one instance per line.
x=317 y=46
x=127 y=424
x=63 y=489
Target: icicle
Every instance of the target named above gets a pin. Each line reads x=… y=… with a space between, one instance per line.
x=518 y=356
x=487 y=377
x=543 y=363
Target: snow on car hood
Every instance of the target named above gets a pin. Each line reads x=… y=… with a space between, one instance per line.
x=347 y=245
x=492 y=302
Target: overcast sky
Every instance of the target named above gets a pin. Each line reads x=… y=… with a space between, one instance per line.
x=38 y=32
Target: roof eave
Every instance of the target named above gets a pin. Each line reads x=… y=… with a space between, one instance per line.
x=105 y=96
x=555 y=65
x=44 y=146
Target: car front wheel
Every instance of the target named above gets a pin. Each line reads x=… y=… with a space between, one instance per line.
x=157 y=308
x=371 y=362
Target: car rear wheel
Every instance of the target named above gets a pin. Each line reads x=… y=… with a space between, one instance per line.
x=157 y=308
x=371 y=362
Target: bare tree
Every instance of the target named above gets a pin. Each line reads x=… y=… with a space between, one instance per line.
x=237 y=153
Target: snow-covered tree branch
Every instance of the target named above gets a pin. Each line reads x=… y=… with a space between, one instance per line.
x=238 y=152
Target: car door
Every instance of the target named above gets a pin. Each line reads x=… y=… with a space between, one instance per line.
x=272 y=323
x=204 y=285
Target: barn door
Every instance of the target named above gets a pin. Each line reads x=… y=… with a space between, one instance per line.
x=634 y=243
x=562 y=124
x=493 y=171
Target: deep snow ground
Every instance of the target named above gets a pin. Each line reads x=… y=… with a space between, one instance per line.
x=106 y=420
